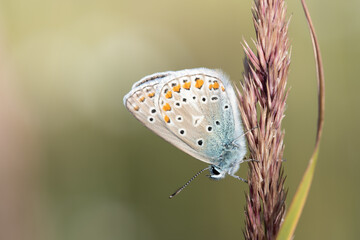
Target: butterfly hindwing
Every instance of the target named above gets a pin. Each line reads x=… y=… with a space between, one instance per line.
x=195 y=106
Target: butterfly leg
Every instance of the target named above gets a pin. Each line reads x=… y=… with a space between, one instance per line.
x=243 y=135
x=241 y=179
x=254 y=160
x=251 y=160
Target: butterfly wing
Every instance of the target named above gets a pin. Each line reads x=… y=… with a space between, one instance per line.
x=199 y=106
x=140 y=101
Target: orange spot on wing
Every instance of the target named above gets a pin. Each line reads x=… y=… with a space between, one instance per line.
x=167 y=119
x=151 y=94
x=222 y=88
x=210 y=86
x=177 y=88
x=168 y=94
x=142 y=99
x=216 y=85
x=166 y=107
x=136 y=108
x=199 y=83
x=187 y=85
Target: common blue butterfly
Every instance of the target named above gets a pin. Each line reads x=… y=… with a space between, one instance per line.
x=197 y=111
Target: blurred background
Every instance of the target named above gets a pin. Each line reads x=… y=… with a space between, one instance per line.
x=74 y=164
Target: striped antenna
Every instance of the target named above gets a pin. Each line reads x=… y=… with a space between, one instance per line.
x=185 y=185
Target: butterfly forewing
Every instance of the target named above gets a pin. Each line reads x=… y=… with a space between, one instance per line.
x=140 y=101
x=141 y=104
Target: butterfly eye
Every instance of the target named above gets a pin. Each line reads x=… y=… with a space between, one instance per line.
x=214 y=171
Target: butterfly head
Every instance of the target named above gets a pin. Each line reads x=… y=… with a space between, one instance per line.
x=216 y=172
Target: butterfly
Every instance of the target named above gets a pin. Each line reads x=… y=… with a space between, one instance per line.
x=196 y=110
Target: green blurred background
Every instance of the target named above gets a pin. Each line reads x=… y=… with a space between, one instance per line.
x=74 y=164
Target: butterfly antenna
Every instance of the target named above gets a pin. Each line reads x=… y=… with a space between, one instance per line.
x=185 y=185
